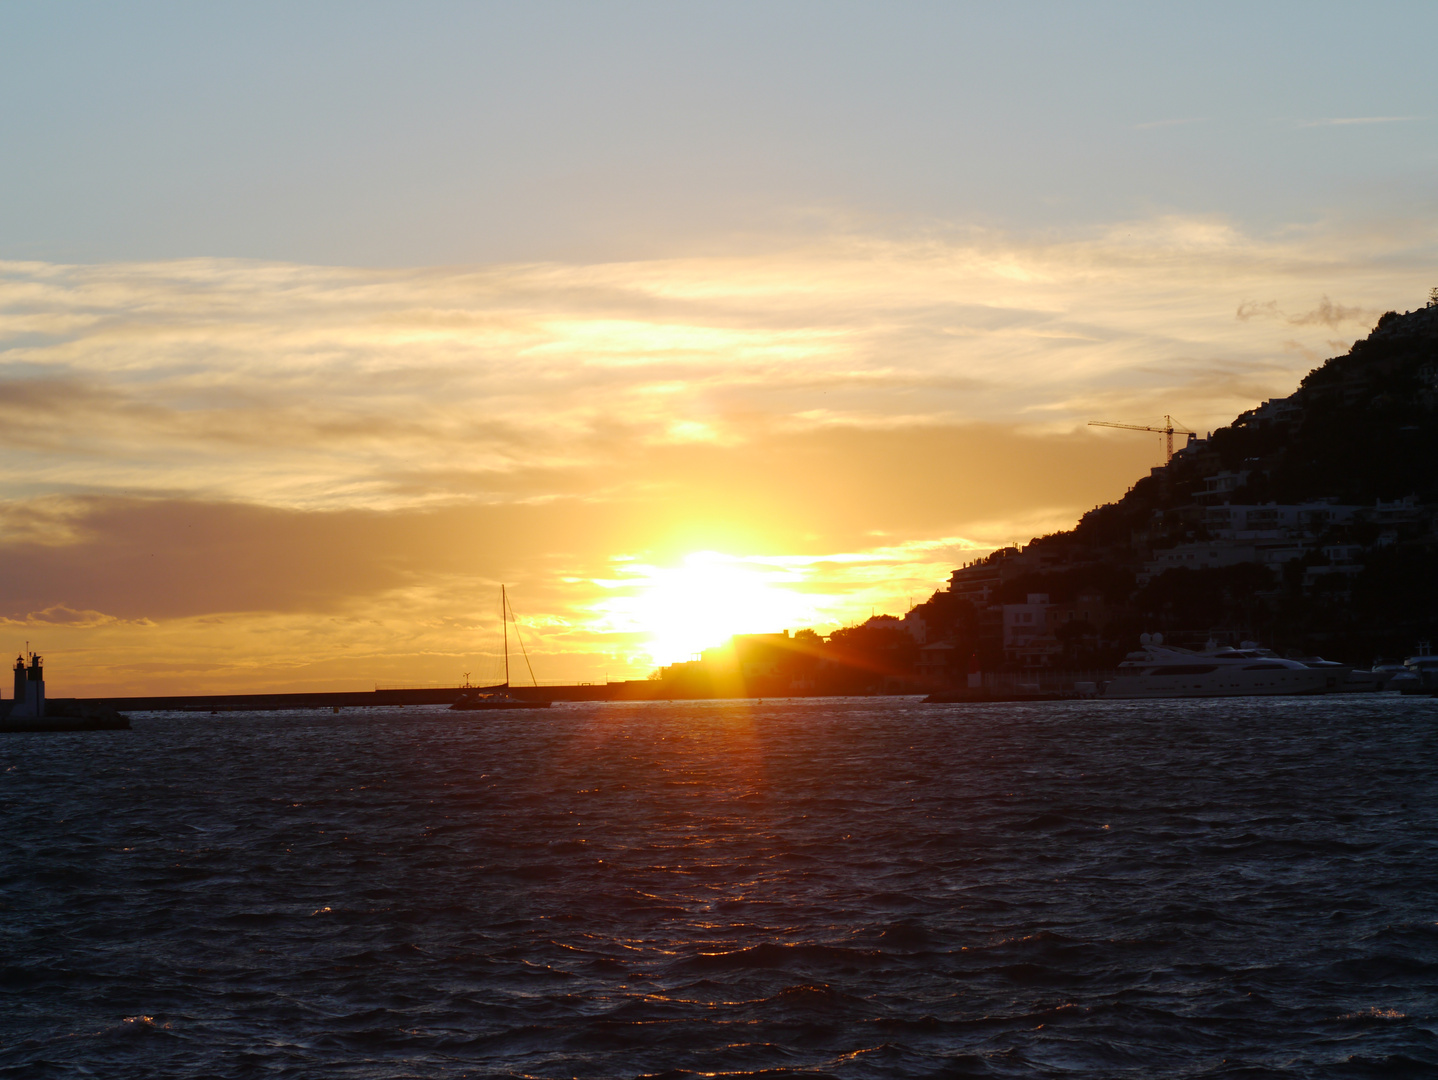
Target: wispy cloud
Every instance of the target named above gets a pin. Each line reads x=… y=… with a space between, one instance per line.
x=1325 y=313
x=323 y=387
x=1345 y=121
x=1175 y=122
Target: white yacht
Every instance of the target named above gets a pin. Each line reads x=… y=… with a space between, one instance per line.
x=1159 y=671
x=1419 y=674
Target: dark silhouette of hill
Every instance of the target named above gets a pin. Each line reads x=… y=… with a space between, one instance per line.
x=1360 y=427
x=1308 y=523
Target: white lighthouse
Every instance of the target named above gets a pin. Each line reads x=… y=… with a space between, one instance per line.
x=29 y=688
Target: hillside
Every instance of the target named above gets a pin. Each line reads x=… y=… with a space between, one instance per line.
x=1307 y=523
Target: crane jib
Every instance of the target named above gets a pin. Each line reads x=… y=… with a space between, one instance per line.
x=1167 y=431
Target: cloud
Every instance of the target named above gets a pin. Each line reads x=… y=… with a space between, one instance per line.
x=1326 y=313
x=1252 y=309
x=863 y=518
x=331 y=388
x=799 y=495
x=1345 y=121
x=1178 y=122
x=58 y=615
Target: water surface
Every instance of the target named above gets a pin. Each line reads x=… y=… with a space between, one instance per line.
x=861 y=888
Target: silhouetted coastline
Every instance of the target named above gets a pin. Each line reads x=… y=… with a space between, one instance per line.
x=1310 y=524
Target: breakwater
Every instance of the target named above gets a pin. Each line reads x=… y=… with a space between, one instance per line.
x=634 y=690
x=637 y=690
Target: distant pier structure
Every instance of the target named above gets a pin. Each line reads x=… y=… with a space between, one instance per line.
x=31 y=712
x=29 y=688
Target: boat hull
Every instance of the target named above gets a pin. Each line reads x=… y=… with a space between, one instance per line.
x=1279 y=683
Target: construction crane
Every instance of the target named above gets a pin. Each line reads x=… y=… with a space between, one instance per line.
x=1169 y=427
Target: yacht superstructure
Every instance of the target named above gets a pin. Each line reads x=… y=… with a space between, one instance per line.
x=1419 y=674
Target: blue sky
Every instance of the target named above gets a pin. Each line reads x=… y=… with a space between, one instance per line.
x=416 y=134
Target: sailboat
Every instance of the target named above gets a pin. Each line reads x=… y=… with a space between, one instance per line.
x=500 y=697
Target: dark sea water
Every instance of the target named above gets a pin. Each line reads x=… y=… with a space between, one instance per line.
x=863 y=888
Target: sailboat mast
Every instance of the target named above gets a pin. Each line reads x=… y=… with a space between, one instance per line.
x=504 y=618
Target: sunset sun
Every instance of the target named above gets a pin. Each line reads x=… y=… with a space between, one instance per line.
x=684 y=609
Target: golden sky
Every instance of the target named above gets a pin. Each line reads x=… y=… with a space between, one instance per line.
x=320 y=322
x=225 y=475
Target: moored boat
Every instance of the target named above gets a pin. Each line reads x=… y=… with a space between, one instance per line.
x=1385 y=671
x=499 y=697
x=1420 y=674
x=1159 y=671
x=1367 y=681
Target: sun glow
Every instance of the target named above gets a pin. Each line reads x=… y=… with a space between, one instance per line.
x=705 y=600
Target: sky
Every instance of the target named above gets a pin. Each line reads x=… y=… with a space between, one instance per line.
x=318 y=322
